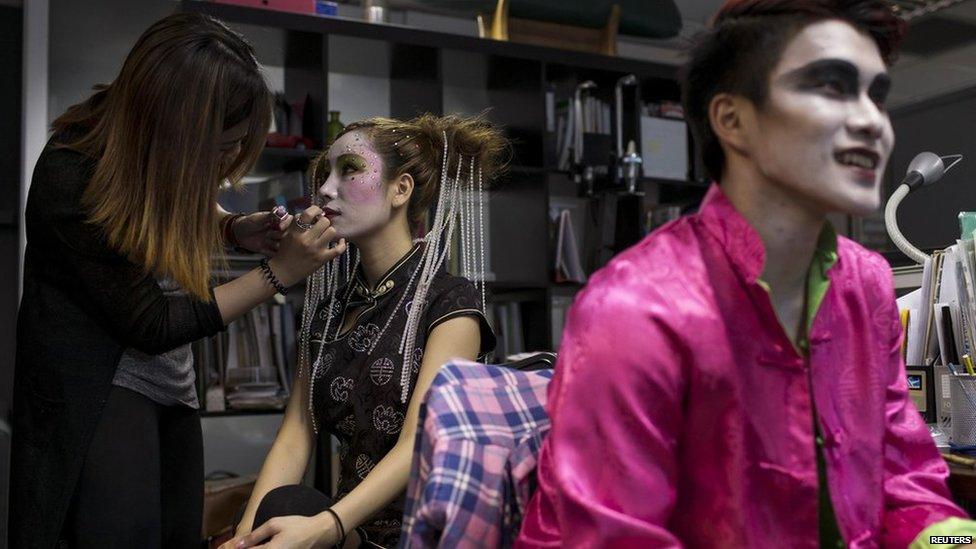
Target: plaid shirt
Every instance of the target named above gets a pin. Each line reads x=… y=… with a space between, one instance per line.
x=474 y=463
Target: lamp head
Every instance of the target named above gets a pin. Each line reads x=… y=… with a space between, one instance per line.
x=931 y=167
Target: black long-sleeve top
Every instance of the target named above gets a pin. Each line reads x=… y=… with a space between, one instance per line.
x=83 y=303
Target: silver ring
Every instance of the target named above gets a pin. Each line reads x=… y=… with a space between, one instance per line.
x=302 y=225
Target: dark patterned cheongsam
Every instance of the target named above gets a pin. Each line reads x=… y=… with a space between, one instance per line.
x=356 y=393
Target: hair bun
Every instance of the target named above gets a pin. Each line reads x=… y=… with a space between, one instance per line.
x=467 y=137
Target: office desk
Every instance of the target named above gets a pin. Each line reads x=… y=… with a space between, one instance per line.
x=962 y=481
x=962 y=484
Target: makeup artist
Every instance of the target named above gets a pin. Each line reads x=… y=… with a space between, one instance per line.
x=122 y=227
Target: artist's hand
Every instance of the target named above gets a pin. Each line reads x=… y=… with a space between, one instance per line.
x=259 y=232
x=304 y=247
x=292 y=532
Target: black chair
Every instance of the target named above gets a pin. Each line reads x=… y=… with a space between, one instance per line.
x=538 y=361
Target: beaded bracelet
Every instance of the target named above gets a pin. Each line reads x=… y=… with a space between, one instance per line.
x=271 y=278
x=342 y=529
x=227 y=230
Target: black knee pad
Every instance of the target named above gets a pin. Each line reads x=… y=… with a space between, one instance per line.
x=294 y=499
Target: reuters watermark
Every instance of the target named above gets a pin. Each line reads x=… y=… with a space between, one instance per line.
x=950 y=540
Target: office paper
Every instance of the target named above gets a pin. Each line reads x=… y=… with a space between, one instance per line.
x=664 y=145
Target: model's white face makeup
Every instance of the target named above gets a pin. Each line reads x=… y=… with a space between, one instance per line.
x=824 y=132
x=354 y=195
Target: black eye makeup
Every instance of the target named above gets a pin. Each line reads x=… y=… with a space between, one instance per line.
x=838 y=78
x=879 y=88
x=834 y=75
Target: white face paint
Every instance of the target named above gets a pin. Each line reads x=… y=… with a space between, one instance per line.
x=354 y=196
x=824 y=132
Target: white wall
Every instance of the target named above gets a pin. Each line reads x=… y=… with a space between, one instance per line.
x=269 y=45
x=465 y=82
x=34 y=120
x=84 y=53
x=89 y=41
x=359 y=78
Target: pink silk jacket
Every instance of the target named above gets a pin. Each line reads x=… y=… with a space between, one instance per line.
x=682 y=415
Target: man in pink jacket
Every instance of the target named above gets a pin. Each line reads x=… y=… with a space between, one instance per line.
x=735 y=379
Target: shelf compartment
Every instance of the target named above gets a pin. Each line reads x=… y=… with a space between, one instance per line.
x=420 y=37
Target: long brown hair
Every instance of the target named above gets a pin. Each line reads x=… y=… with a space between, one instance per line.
x=155 y=133
x=415 y=147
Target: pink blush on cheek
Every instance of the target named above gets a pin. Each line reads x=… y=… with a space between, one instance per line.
x=365 y=190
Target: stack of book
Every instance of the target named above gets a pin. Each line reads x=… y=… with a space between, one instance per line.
x=567 y=267
x=596 y=119
x=252 y=363
x=938 y=318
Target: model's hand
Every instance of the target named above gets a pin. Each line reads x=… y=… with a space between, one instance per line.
x=231 y=543
x=291 y=532
x=305 y=246
x=239 y=534
x=260 y=232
